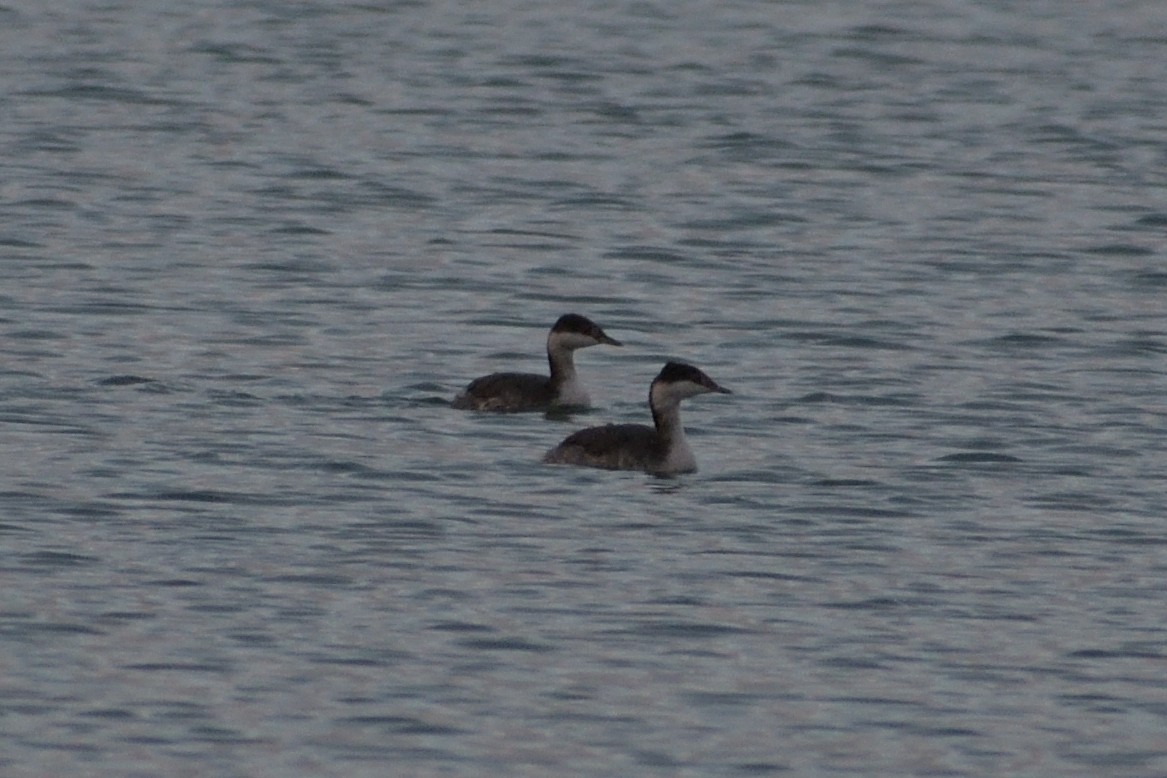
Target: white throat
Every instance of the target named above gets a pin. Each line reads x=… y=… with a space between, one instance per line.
x=571 y=391
x=665 y=399
x=679 y=458
x=560 y=353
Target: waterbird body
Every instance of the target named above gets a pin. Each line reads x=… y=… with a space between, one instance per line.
x=531 y=392
x=661 y=449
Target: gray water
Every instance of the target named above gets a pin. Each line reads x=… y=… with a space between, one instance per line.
x=249 y=250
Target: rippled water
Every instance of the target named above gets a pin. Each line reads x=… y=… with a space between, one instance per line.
x=249 y=250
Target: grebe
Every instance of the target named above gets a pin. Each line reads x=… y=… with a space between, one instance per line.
x=661 y=449
x=530 y=392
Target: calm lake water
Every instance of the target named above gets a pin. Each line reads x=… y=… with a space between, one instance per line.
x=250 y=250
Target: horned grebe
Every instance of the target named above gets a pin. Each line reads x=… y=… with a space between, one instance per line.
x=662 y=450
x=530 y=392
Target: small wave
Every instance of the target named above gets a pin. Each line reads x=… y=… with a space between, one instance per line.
x=979 y=457
x=125 y=380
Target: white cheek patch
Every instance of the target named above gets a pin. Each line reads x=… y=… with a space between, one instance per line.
x=570 y=340
x=675 y=392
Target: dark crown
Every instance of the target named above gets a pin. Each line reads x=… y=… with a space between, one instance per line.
x=573 y=322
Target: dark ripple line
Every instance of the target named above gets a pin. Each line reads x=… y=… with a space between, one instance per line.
x=646 y=253
x=57 y=559
x=1101 y=653
x=18 y=243
x=683 y=629
x=815 y=398
x=1121 y=250
x=185 y=667
x=402 y=725
x=204 y=496
x=460 y=626
x=846 y=341
x=102 y=92
x=317 y=579
x=53 y=628
x=504 y=644
x=125 y=380
x=980 y=457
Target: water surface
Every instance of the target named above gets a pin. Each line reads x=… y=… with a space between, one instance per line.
x=248 y=251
